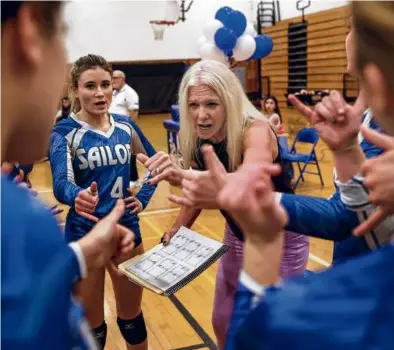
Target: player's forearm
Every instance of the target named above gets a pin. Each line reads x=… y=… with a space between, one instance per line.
x=348 y=162
x=262 y=260
x=336 y=224
x=139 y=143
x=64 y=187
x=145 y=194
x=65 y=192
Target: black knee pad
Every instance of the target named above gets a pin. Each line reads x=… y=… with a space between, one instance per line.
x=100 y=333
x=134 y=330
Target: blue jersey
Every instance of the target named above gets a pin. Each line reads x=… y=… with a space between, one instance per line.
x=348 y=307
x=81 y=154
x=38 y=272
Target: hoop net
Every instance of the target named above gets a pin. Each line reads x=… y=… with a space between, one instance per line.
x=159 y=28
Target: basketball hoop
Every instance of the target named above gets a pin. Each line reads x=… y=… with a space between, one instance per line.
x=159 y=28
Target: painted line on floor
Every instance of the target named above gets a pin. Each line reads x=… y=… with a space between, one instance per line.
x=319 y=260
x=207 y=341
x=44 y=191
x=159 y=211
x=193 y=347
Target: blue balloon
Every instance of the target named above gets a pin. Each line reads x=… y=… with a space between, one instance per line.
x=236 y=21
x=264 y=46
x=225 y=39
x=222 y=13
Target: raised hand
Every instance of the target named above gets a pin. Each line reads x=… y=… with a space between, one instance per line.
x=378 y=178
x=161 y=168
x=107 y=240
x=86 y=202
x=337 y=122
x=200 y=188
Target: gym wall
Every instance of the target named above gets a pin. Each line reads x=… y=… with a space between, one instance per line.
x=326 y=59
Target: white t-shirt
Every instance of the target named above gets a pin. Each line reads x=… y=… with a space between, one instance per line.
x=124 y=100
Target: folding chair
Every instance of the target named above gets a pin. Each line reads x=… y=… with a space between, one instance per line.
x=284 y=150
x=172 y=128
x=306 y=135
x=175 y=113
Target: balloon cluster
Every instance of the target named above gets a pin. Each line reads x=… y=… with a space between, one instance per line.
x=230 y=35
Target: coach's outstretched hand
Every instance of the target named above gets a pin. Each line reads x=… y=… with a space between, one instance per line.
x=161 y=168
x=200 y=188
x=107 y=239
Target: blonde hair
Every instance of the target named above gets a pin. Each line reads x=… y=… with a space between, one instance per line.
x=374 y=25
x=238 y=109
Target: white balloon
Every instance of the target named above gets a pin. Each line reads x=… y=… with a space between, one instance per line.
x=250 y=30
x=209 y=51
x=202 y=40
x=210 y=29
x=246 y=45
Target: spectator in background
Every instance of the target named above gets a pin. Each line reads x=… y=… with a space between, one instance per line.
x=270 y=109
x=125 y=101
x=64 y=111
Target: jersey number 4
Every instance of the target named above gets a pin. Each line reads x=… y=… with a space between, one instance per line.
x=117 y=189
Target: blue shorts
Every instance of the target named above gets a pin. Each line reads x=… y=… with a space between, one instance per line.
x=74 y=230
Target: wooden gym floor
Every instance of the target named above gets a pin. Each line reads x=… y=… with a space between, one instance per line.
x=185 y=320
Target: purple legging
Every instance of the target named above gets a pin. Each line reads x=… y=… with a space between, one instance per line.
x=294 y=261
